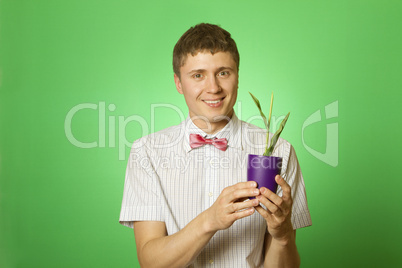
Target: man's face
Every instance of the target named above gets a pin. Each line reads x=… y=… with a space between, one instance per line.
x=209 y=84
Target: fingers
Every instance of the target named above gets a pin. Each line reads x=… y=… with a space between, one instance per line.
x=244 y=184
x=273 y=197
x=264 y=213
x=285 y=187
x=275 y=204
x=241 y=214
x=237 y=206
x=271 y=207
x=230 y=206
x=239 y=191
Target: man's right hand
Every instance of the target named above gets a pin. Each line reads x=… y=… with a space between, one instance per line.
x=230 y=205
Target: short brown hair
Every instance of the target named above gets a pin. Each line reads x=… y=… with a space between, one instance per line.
x=201 y=37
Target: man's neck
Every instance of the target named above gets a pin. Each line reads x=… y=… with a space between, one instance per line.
x=211 y=127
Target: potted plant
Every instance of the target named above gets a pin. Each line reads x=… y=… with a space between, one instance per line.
x=263 y=168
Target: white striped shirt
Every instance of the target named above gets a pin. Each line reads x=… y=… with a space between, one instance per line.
x=168 y=181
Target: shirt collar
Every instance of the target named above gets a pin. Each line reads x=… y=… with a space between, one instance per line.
x=232 y=132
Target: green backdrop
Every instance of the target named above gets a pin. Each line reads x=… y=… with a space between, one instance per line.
x=98 y=74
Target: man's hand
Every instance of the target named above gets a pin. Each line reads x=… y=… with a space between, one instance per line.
x=230 y=205
x=278 y=212
x=181 y=248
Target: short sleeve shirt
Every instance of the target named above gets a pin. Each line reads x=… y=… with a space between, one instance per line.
x=166 y=180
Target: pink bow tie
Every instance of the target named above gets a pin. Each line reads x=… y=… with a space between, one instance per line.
x=198 y=141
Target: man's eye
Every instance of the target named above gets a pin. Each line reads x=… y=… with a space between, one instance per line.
x=197 y=76
x=224 y=73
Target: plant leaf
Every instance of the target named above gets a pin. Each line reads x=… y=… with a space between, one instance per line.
x=270 y=110
x=257 y=102
x=269 y=120
x=275 y=137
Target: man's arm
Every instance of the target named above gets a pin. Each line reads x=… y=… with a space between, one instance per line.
x=281 y=254
x=280 y=240
x=157 y=249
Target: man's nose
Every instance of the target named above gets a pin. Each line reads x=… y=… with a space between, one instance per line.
x=213 y=85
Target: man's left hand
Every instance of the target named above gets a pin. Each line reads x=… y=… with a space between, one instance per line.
x=279 y=210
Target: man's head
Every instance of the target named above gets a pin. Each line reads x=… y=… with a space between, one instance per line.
x=203 y=37
x=206 y=63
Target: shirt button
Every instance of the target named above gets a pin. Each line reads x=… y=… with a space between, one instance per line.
x=210 y=194
x=211 y=261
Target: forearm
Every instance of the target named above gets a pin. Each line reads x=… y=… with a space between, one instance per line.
x=282 y=253
x=179 y=249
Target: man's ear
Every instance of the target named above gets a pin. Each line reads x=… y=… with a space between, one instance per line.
x=178 y=84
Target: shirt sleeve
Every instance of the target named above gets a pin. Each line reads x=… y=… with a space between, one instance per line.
x=142 y=193
x=293 y=176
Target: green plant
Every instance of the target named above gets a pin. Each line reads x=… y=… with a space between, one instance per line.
x=269 y=149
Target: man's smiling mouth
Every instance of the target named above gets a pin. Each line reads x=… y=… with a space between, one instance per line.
x=213 y=101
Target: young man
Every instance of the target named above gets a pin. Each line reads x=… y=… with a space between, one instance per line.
x=188 y=202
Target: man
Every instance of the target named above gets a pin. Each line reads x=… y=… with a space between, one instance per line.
x=189 y=204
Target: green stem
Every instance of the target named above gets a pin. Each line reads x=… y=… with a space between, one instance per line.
x=266 y=153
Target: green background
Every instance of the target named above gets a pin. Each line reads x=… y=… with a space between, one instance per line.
x=59 y=204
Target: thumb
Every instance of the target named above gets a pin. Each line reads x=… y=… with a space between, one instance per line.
x=279 y=180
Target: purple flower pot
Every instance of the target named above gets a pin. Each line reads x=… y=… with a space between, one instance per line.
x=263 y=169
